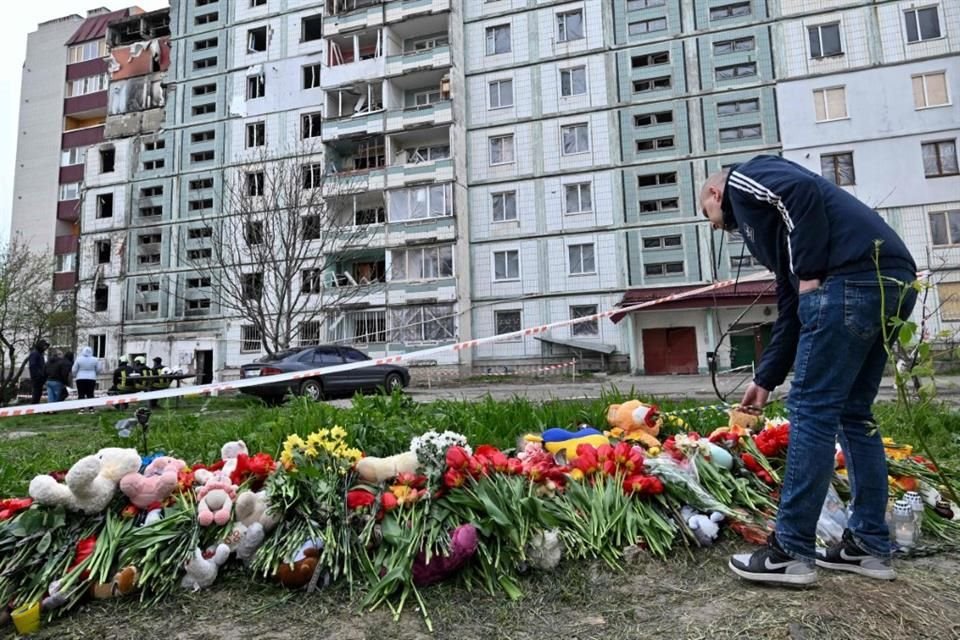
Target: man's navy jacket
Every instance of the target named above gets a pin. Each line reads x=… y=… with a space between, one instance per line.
x=802 y=227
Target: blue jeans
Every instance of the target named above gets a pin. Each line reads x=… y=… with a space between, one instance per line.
x=54 y=390
x=837 y=372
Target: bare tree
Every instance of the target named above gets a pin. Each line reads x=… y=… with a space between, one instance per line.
x=287 y=250
x=29 y=310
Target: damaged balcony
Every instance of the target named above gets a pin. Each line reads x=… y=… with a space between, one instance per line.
x=419 y=156
x=356 y=165
x=357 y=57
x=401 y=10
x=139 y=28
x=362 y=217
x=420 y=99
x=424 y=43
x=346 y=15
x=352 y=111
x=362 y=269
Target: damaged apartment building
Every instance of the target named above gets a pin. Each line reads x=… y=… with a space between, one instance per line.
x=121 y=209
x=238 y=82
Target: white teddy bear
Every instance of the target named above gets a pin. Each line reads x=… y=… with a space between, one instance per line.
x=253 y=522
x=704 y=528
x=202 y=571
x=228 y=453
x=90 y=484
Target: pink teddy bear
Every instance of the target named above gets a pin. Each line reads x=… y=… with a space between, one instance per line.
x=157 y=482
x=215 y=501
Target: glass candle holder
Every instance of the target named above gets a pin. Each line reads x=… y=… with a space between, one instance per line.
x=904 y=525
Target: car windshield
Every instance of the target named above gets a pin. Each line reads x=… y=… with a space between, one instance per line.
x=278 y=356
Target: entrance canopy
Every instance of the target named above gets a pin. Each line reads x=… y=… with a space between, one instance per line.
x=580 y=345
x=734 y=295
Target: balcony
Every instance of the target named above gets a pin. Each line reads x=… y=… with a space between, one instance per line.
x=429 y=115
x=82 y=137
x=353 y=59
x=64 y=281
x=86 y=68
x=63 y=245
x=347 y=15
x=421 y=156
x=400 y=10
x=356 y=165
x=71 y=173
x=437 y=57
x=354 y=111
x=68 y=210
x=90 y=105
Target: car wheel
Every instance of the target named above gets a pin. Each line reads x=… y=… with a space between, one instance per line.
x=312 y=389
x=394 y=382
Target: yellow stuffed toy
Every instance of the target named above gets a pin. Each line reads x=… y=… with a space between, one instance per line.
x=636 y=421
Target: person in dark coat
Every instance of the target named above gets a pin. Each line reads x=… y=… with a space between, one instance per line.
x=38 y=374
x=58 y=373
x=842 y=275
x=68 y=356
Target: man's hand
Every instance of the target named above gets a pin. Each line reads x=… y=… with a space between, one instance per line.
x=808 y=285
x=754 y=399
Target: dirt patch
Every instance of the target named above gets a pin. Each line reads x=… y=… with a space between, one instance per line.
x=689 y=597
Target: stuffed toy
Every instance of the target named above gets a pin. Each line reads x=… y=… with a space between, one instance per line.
x=202 y=568
x=636 y=421
x=544 y=550
x=227 y=464
x=229 y=453
x=157 y=482
x=123 y=582
x=463 y=544
x=253 y=522
x=296 y=573
x=382 y=469
x=704 y=528
x=215 y=501
x=90 y=484
x=743 y=419
x=562 y=441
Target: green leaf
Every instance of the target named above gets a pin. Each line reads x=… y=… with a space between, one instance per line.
x=44 y=544
x=391 y=530
x=907 y=331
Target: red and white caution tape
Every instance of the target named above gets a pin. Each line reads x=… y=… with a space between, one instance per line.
x=215 y=388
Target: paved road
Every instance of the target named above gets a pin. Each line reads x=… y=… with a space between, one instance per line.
x=695 y=387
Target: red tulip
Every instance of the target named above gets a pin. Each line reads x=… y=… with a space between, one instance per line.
x=11 y=506
x=477 y=466
x=388 y=501
x=453 y=478
x=642 y=485
x=586 y=460
x=359 y=498
x=514 y=466
x=487 y=451
x=129 y=511
x=457 y=458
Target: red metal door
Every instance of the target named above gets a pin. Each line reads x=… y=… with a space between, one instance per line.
x=672 y=350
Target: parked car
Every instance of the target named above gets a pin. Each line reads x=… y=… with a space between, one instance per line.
x=369 y=378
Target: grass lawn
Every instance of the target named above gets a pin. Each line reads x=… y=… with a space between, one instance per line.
x=687 y=596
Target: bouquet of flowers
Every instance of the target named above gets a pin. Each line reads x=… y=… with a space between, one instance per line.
x=308 y=490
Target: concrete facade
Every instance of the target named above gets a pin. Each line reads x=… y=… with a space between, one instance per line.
x=42 y=90
x=890 y=117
